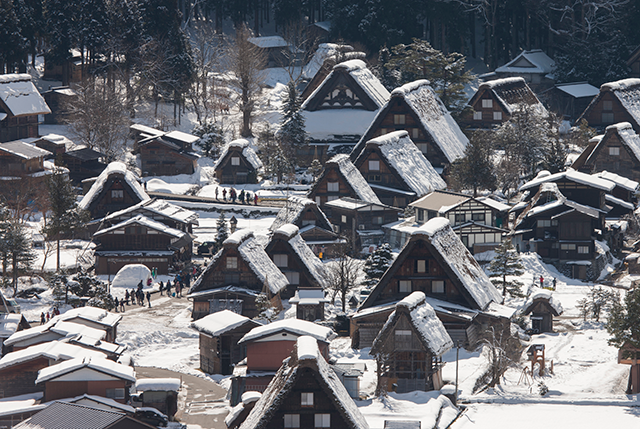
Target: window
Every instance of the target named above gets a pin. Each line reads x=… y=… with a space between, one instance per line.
x=487 y=104
x=318 y=201
x=420 y=215
x=323 y=420
x=117 y=194
x=607 y=105
x=421 y=266
x=460 y=218
x=343 y=219
x=374 y=165
x=231 y=278
x=374 y=178
x=437 y=286
x=235 y=160
x=306 y=399
x=377 y=220
x=281 y=260
x=415 y=133
x=307 y=222
x=497 y=116
x=607 y=118
x=477 y=116
x=232 y=262
x=404 y=286
x=333 y=187
x=614 y=150
x=383 y=131
x=292 y=420
x=544 y=223
x=583 y=249
x=479 y=217
x=566 y=246
x=423 y=147
x=293 y=277
x=117 y=393
x=398 y=119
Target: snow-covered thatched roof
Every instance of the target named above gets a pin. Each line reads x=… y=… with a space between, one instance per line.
x=570 y=174
x=294 y=208
x=155 y=208
x=20 y=95
x=296 y=327
x=247 y=151
x=511 y=93
x=542 y=295
x=305 y=355
x=143 y=221
x=626 y=135
x=352 y=176
x=411 y=166
x=220 y=322
x=324 y=52
x=425 y=323
x=53 y=350
x=115 y=168
x=623 y=182
x=105 y=366
x=10 y=322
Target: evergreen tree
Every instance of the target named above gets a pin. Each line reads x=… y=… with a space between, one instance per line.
x=211 y=138
x=292 y=134
x=507 y=263
x=555 y=158
x=388 y=77
x=376 y=264
x=222 y=232
x=62 y=33
x=623 y=324
x=475 y=170
x=5 y=223
x=274 y=159
x=315 y=169
x=12 y=42
x=19 y=250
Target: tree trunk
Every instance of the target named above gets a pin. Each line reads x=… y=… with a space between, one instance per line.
x=58 y=254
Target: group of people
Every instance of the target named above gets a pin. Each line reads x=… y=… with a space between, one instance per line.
x=45 y=317
x=244 y=197
x=177 y=286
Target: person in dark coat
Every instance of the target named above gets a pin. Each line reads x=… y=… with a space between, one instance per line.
x=42 y=318
x=117 y=304
x=126 y=297
x=149 y=298
x=161 y=287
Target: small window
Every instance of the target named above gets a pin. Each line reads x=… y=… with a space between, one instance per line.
x=497 y=116
x=487 y=104
x=292 y=420
x=235 y=160
x=318 y=201
x=377 y=220
x=415 y=133
x=437 y=286
x=343 y=219
x=477 y=116
x=306 y=399
x=383 y=131
x=117 y=194
x=544 y=223
x=420 y=215
x=232 y=262
x=374 y=178
x=323 y=420
x=293 y=277
x=424 y=148
x=607 y=118
x=421 y=266
x=460 y=218
x=566 y=246
x=478 y=217
x=614 y=150
x=117 y=393
x=399 y=119
x=281 y=260
x=333 y=186
x=607 y=105
x=374 y=165
x=404 y=286
x=583 y=249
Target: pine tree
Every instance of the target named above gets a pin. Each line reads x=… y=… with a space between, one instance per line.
x=555 y=158
x=19 y=250
x=623 y=324
x=292 y=134
x=315 y=169
x=222 y=234
x=376 y=264
x=507 y=263
x=475 y=170
x=211 y=138
x=275 y=161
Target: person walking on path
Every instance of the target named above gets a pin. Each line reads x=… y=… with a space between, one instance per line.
x=241 y=196
x=233 y=195
x=42 y=321
x=554 y=283
x=224 y=194
x=117 y=304
x=122 y=305
x=541 y=282
x=126 y=297
x=216 y=192
x=149 y=298
x=255 y=199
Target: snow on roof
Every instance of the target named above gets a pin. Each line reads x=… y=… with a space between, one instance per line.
x=627 y=91
x=297 y=327
x=93 y=401
x=288 y=230
x=61 y=140
x=354 y=178
x=578 y=89
x=54 y=350
x=438 y=200
x=512 y=92
x=101 y=365
x=20 y=95
x=410 y=164
x=247 y=151
x=183 y=137
x=542 y=294
x=434 y=117
x=72 y=329
x=367 y=81
x=144 y=221
x=628 y=137
x=113 y=168
x=534 y=61
x=460 y=261
x=620 y=85
x=324 y=51
x=158 y=384
x=623 y=182
x=93 y=314
x=619 y=202
x=9 y=323
x=574 y=176
x=268 y=41
x=309 y=259
x=258 y=260
x=220 y=322
x=23 y=150
x=308 y=297
x=162 y=208
x=501 y=207
x=307 y=348
x=423 y=318
x=292 y=211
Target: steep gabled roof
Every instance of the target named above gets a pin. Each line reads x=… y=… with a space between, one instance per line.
x=627 y=91
x=626 y=135
x=351 y=175
x=160 y=208
x=293 y=209
x=510 y=93
x=113 y=169
x=20 y=96
x=534 y=61
x=144 y=221
x=542 y=295
x=425 y=323
x=572 y=175
x=410 y=165
x=305 y=355
x=247 y=151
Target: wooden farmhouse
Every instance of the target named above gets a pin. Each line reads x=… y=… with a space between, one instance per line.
x=341 y=108
x=115 y=189
x=434 y=261
x=159 y=393
x=497 y=100
x=615 y=103
x=309 y=303
x=305 y=393
x=543 y=307
x=409 y=347
x=19 y=369
x=534 y=66
x=569 y=100
x=168 y=155
x=140 y=240
x=219 y=336
x=83 y=163
x=313 y=225
x=161 y=211
x=617 y=151
x=396 y=170
x=10 y=323
x=57 y=98
x=20 y=105
x=23 y=173
x=340 y=178
x=416 y=109
x=238 y=164
x=235 y=276
x=239 y=413
x=295 y=259
x=362 y=221
x=327 y=55
x=278 y=52
x=79 y=376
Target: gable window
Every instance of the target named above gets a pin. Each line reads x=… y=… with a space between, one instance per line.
x=583 y=249
x=460 y=218
x=607 y=105
x=333 y=187
x=374 y=165
x=377 y=220
x=293 y=277
x=281 y=260
x=306 y=399
x=117 y=194
x=322 y=420
x=423 y=147
x=497 y=116
x=437 y=286
x=117 y=393
x=607 y=117
x=399 y=119
x=415 y=133
x=421 y=266
x=478 y=217
x=404 y=286
x=374 y=178
x=487 y=104
x=477 y=116
x=292 y=420
x=614 y=150
x=344 y=219
x=232 y=262
x=235 y=160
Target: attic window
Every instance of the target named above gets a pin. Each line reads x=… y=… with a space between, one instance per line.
x=117 y=393
x=281 y=260
x=306 y=399
x=399 y=119
x=487 y=103
x=423 y=147
x=614 y=150
x=292 y=420
x=374 y=165
x=497 y=116
x=235 y=160
x=607 y=105
x=421 y=266
x=437 y=286
x=477 y=116
x=322 y=420
x=232 y=262
x=333 y=187
x=607 y=118
x=415 y=133
x=117 y=194
x=293 y=277
x=404 y=286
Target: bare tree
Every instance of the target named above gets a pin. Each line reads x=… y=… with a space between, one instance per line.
x=246 y=62
x=344 y=274
x=502 y=352
x=300 y=50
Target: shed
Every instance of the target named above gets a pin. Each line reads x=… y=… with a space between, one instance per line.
x=20 y=105
x=238 y=163
x=543 y=307
x=159 y=393
x=309 y=303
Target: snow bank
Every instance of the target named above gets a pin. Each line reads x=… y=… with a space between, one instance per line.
x=130 y=275
x=158 y=384
x=220 y=322
x=307 y=348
